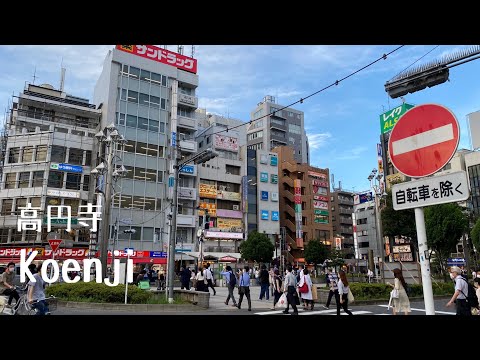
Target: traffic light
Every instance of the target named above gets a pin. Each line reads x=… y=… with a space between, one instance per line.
x=206 y=224
x=417 y=82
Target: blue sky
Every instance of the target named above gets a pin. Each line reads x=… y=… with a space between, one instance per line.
x=342 y=122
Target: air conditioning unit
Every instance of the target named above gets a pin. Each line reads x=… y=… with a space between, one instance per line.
x=236 y=207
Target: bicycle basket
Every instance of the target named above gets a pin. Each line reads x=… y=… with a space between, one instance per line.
x=52 y=304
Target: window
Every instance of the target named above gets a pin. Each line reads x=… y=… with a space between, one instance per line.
x=41 y=154
x=10 y=180
x=255 y=135
x=73 y=203
x=153 y=125
x=37 y=178
x=234 y=170
x=86 y=182
x=121 y=119
x=132 y=96
x=143 y=123
x=20 y=203
x=155 y=101
x=290 y=114
x=123 y=95
x=75 y=157
x=27 y=155
x=55 y=179
x=7 y=207
x=364 y=232
x=14 y=155
x=58 y=154
x=145 y=75
x=78 y=132
x=131 y=121
x=144 y=99
x=160 y=176
x=134 y=72
x=73 y=181
x=164 y=80
x=162 y=127
x=88 y=157
x=208 y=139
x=61 y=130
x=294 y=129
x=24 y=180
x=156 y=78
x=200 y=145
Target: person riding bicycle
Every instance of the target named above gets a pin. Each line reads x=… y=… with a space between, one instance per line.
x=33 y=270
x=36 y=293
x=7 y=287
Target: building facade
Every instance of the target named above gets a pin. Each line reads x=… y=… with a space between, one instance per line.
x=304 y=203
x=366 y=233
x=220 y=183
x=276 y=127
x=342 y=209
x=47 y=153
x=149 y=94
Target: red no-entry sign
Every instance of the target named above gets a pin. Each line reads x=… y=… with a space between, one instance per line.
x=424 y=140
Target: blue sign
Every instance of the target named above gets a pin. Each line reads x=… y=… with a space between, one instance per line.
x=174 y=139
x=275 y=216
x=264 y=214
x=158 y=254
x=170 y=181
x=187 y=169
x=273 y=160
x=363 y=198
x=129 y=251
x=455 y=262
x=265 y=195
x=67 y=167
x=264 y=177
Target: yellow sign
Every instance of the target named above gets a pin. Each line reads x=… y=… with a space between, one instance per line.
x=394 y=178
x=208 y=191
x=127 y=47
x=212 y=209
x=229 y=224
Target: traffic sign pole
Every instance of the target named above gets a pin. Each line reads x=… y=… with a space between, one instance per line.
x=424 y=261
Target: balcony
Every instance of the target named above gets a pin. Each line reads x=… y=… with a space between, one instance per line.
x=346 y=202
x=189 y=124
x=187 y=193
x=185 y=220
x=188 y=146
x=188 y=100
x=278 y=138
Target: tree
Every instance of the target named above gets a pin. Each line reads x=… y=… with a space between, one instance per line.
x=257 y=247
x=398 y=223
x=475 y=234
x=336 y=258
x=316 y=252
x=444 y=224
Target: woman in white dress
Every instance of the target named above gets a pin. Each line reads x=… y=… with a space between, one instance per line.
x=402 y=303
x=307 y=296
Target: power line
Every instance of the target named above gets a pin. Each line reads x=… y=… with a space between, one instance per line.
x=301 y=100
x=420 y=58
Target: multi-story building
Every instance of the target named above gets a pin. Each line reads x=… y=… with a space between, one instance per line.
x=304 y=203
x=48 y=148
x=261 y=195
x=342 y=209
x=220 y=182
x=276 y=127
x=366 y=230
x=149 y=93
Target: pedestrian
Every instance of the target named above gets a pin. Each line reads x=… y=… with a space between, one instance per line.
x=244 y=288
x=185 y=278
x=402 y=303
x=161 y=280
x=208 y=279
x=289 y=287
x=271 y=279
x=7 y=287
x=36 y=293
x=264 y=283
x=200 y=280
x=476 y=284
x=461 y=289
x=140 y=276
x=228 y=273
x=192 y=279
x=277 y=287
x=343 y=289
x=257 y=275
x=370 y=275
x=332 y=281
x=306 y=297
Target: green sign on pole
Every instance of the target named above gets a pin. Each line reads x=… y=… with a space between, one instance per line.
x=390 y=118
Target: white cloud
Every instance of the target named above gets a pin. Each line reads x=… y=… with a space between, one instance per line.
x=352 y=154
x=316 y=141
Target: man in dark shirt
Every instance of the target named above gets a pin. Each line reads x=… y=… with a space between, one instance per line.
x=185 y=274
x=6 y=284
x=264 y=283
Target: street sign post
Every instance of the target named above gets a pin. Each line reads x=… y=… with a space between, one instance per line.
x=129 y=252
x=429 y=191
x=422 y=142
x=54 y=244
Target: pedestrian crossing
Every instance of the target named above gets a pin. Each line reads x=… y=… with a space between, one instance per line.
x=354 y=312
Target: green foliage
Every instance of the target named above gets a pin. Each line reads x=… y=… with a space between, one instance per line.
x=475 y=234
x=257 y=247
x=336 y=258
x=100 y=293
x=445 y=224
x=366 y=291
x=316 y=252
x=398 y=223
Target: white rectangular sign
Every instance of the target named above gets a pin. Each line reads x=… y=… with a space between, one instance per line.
x=432 y=190
x=63 y=193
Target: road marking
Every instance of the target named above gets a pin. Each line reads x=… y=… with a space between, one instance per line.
x=436 y=311
x=273 y=312
x=358 y=312
x=319 y=312
x=422 y=140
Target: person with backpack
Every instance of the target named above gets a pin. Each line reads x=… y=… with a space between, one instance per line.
x=461 y=292
x=231 y=281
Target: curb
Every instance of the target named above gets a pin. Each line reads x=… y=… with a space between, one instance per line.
x=128 y=307
x=383 y=301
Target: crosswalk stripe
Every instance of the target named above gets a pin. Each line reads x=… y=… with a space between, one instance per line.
x=436 y=311
x=319 y=312
x=358 y=312
x=273 y=312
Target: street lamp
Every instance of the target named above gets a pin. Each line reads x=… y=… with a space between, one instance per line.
x=375 y=185
x=109 y=172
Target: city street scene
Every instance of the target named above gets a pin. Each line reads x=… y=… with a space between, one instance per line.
x=240 y=180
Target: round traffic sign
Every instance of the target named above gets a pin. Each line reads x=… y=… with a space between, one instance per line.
x=424 y=140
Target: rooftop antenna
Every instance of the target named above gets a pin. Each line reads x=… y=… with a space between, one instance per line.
x=193 y=50
x=62 y=76
x=333 y=182
x=180 y=49
x=34 y=74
